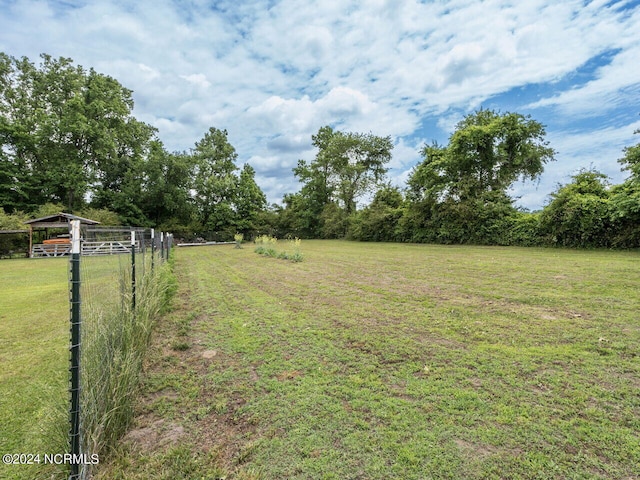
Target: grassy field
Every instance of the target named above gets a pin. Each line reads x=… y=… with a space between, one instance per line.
x=34 y=328
x=34 y=354
x=380 y=361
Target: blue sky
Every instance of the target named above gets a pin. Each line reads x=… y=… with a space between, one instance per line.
x=273 y=72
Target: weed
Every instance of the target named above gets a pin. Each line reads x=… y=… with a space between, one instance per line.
x=238 y=237
x=266 y=246
x=296 y=257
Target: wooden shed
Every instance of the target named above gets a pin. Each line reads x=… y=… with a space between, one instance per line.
x=53 y=232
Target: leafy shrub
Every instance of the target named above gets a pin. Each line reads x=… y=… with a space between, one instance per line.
x=579 y=213
x=13 y=243
x=525 y=230
x=296 y=257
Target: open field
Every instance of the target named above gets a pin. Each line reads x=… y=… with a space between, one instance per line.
x=393 y=361
x=34 y=328
x=34 y=353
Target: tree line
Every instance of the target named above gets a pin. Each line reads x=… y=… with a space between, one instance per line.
x=458 y=194
x=70 y=142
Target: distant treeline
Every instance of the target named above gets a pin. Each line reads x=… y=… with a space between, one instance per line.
x=458 y=193
x=69 y=142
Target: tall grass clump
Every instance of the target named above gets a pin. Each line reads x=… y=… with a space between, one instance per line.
x=266 y=245
x=238 y=237
x=296 y=256
x=114 y=341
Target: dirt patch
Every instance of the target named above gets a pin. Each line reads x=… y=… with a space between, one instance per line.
x=167 y=394
x=474 y=450
x=171 y=435
x=476 y=382
x=229 y=435
x=289 y=375
x=156 y=435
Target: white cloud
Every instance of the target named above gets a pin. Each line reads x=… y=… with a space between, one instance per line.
x=197 y=79
x=272 y=73
x=614 y=86
x=599 y=149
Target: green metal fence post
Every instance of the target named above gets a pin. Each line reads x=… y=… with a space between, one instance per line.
x=74 y=410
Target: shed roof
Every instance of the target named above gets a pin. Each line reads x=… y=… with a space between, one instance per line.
x=59 y=220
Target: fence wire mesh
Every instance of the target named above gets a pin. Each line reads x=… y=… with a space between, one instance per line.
x=122 y=293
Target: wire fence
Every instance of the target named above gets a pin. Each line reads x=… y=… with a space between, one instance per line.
x=119 y=280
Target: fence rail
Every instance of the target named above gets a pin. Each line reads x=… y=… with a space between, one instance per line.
x=107 y=248
x=88 y=248
x=50 y=250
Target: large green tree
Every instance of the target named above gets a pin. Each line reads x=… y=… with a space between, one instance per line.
x=225 y=201
x=166 y=188
x=460 y=190
x=215 y=180
x=347 y=167
x=487 y=152
x=66 y=135
x=250 y=201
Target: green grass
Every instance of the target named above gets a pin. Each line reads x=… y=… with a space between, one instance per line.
x=394 y=361
x=34 y=328
x=114 y=342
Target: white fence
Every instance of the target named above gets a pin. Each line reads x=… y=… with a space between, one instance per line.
x=107 y=247
x=50 y=250
x=88 y=248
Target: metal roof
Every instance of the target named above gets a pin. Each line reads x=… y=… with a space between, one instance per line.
x=59 y=220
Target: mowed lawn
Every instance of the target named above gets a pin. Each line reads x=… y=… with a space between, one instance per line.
x=378 y=361
x=34 y=354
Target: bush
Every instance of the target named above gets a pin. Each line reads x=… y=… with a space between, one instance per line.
x=579 y=213
x=525 y=230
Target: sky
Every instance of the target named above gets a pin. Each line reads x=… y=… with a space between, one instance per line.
x=272 y=72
